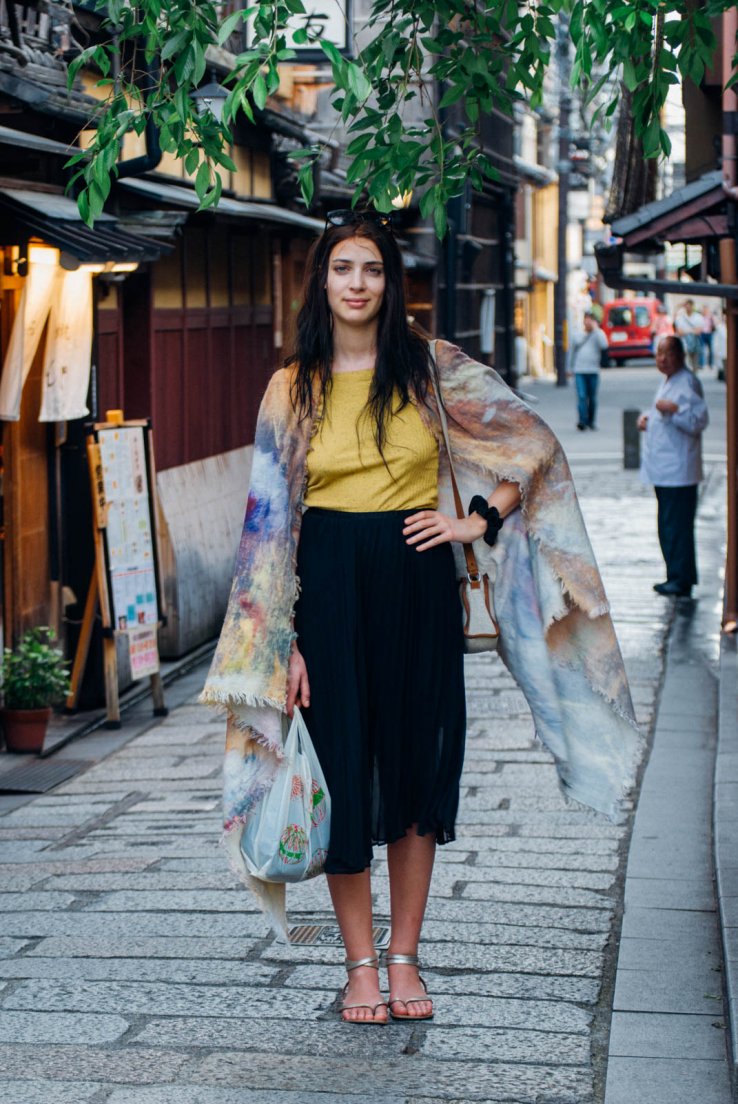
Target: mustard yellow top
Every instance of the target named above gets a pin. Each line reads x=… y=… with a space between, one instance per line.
x=345 y=469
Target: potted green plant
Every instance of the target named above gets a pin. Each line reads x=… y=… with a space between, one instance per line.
x=34 y=677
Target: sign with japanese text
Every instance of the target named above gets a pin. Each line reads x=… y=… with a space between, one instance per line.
x=143 y=651
x=129 y=533
x=98 y=499
x=326 y=20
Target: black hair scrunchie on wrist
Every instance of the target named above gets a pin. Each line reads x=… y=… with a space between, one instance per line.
x=491 y=515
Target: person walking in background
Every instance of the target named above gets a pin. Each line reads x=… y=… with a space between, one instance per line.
x=662 y=326
x=720 y=345
x=586 y=357
x=688 y=326
x=708 y=329
x=672 y=462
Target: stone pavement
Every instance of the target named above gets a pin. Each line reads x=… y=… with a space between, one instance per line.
x=725 y=828
x=667 y=1041
x=134 y=970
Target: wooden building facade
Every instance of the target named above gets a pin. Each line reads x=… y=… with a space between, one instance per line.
x=476 y=280
x=191 y=314
x=189 y=341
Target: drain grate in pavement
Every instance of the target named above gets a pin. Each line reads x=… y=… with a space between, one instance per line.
x=41 y=776
x=329 y=935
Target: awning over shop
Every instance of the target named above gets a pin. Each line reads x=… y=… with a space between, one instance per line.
x=50 y=96
x=698 y=212
x=55 y=219
x=239 y=208
x=36 y=142
x=535 y=174
x=242 y=208
x=692 y=213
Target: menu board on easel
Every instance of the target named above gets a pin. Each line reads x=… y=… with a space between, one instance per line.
x=125 y=583
x=129 y=539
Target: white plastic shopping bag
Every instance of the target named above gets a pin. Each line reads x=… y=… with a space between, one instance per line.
x=286 y=839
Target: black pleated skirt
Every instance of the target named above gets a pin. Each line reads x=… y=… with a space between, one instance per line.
x=379 y=627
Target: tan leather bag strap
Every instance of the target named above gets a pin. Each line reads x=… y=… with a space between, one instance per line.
x=471 y=560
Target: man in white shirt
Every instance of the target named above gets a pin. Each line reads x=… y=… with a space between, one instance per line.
x=672 y=462
x=587 y=348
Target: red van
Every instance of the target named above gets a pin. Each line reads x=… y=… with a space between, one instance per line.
x=627 y=325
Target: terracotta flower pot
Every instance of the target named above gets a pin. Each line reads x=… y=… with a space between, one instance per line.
x=25 y=729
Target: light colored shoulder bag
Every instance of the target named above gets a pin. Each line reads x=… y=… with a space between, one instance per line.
x=481 y=630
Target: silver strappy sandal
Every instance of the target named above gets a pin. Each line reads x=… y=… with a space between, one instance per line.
x=407 y=960
x=354 y=964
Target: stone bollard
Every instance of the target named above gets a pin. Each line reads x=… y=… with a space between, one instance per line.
x=631 y=439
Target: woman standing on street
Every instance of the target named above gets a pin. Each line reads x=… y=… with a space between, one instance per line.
x=345 y=598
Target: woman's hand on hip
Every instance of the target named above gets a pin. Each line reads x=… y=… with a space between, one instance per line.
x=428 y=528
x=298 y=687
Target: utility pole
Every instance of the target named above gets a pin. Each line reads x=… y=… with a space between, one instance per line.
x=729 y=274
x=563 y=168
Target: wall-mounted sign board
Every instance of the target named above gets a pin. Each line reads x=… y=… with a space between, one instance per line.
x=326 y=20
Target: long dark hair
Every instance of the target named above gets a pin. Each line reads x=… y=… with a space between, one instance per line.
x=403 y=360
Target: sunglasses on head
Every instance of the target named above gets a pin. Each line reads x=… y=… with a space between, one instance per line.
x=348 y=217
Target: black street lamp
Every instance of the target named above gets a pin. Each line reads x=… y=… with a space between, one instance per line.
x=210 y=97
x=563 y=168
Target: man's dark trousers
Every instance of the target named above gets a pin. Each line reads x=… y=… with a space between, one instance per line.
x=677 y=507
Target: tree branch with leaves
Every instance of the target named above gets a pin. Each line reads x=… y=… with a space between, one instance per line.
x=419 y=60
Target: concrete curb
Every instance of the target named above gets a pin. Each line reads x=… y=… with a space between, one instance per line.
x=725 y=829
x=669 y=1030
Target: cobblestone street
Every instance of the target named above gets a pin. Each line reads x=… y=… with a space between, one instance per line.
x=136 y=971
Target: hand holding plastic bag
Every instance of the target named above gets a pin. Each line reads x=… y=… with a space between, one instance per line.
x=286 y=839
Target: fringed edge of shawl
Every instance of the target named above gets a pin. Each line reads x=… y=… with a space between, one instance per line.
x=270 y=896
x=616 y=813
x=640 y=746
x=225 y=707
x=223 y=696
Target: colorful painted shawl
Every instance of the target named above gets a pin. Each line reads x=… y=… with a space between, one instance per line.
x=557 y=637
